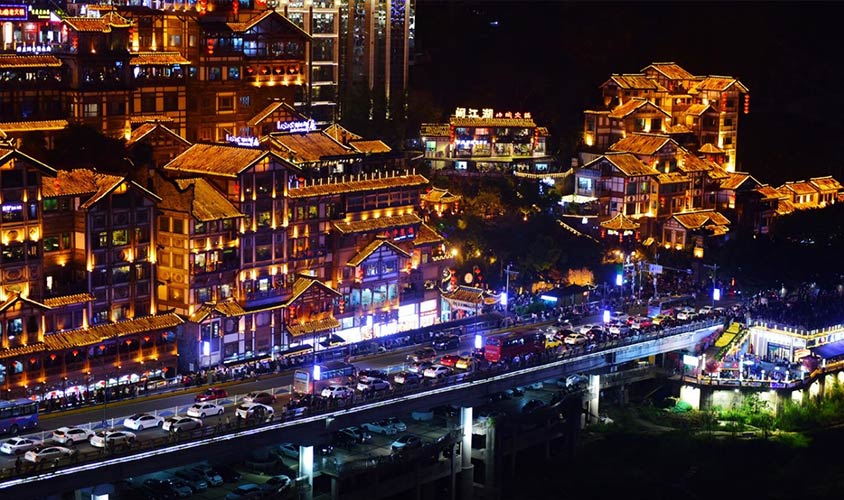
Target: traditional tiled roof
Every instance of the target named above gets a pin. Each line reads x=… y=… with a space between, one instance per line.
x=697 y=109
x=208 y=203
x=427 y=235
x=14 y=298
x=715 y=171
x=375 y=146
x=7 y=154
x=827 y=183
x=797 y=187
x=710 y=148
x=768 y=192
x=270 y=109
x=251 y=23
x=377 y=224
x=33 y=126
x=313 y=326
x=624 y=110
x=141 y=118
x=736 y=179
x=492 y=122
x=303 y=284
x=227 y=309
x=626 y=163
x=149 y=127
x=157 y=59
x=620 y=223
x=719 y=83
x=102 y=24
x=10 y=61
x=672 y=178
x=98 y=333
x=690 y=163
x=717 y=230
x=678 y=128
x=354 y=186
x=341 y=134
x=696 y=220
x=642 y=144
x=785 y=207
x=81 y=181
x=671 y=70
x=468 y=294
x=435 y=129
x=635 y=82
x=68 y=300
x=369 y=249
x=215 y=159
x=437 y=195
x=308 y=147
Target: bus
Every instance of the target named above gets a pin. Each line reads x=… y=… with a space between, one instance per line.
x=513 y=344
x=322 y=374
x=18 y=415
x=668 y=305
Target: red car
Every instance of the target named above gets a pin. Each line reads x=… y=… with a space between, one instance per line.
x=211 y=394
x=449 y=360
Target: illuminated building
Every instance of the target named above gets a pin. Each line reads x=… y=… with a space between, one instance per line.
x=700 y=112
x=488 y=142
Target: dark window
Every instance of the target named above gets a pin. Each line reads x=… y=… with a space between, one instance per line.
x=148 y=103
x=171 y=101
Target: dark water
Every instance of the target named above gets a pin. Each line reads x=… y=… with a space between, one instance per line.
x=674 y=466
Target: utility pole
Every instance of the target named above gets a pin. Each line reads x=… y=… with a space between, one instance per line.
x=714 y=268
x=508 y=272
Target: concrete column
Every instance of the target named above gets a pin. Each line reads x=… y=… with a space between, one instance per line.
x=593 y=403
x=490 y=491
x=467 y=479
x=306 y=471
x=335 y=488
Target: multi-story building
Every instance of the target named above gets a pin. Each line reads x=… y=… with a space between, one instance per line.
x=700 y=112
x=487 y=142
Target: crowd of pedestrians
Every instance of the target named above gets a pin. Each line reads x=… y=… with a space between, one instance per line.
x=808 y=307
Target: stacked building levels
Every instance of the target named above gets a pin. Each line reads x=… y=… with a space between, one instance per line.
x=659 y=161
x=203 y=68
x=210 y=254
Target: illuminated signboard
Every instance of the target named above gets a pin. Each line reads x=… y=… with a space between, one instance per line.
x=13 y=13
x=39 y=13
x=243 y=140
x=297 y=126
x=488 y=114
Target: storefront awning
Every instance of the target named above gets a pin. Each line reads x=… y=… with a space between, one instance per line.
x=830 y=350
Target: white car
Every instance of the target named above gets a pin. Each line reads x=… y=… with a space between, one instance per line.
x=181 y=424
x=586 y=328
x=253 y=410
x=575 y=339
x=397 y=424
x=102 y=439
x=18 y=445
x=705 y=310
x=337 y=392
x=48 y=453
x=71 y=435
x=212 y=477
x=289 y=450
x=141 y=421
x=437 y=371
x=202 y=410
x=374 y=384
x=380 y=427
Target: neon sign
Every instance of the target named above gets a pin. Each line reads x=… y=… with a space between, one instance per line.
x=13 y=13
x=39 y=13
x=489 y=114
x=297 y=126
x=243 y=140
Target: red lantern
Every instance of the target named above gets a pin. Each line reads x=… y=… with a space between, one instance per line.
x=52 y=357
x=128 y=341
x=210 y=46
x=32 y=361
x=166 y=369
x=235 y=8
x=102 y=347
x=746 y=103
x=723 y=102
x=74 y=352
x=146 y=338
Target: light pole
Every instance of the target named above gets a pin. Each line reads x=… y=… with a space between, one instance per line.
x=507 y=272
x=714 y=268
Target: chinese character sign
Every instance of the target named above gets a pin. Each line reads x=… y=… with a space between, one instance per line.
x=13 y=13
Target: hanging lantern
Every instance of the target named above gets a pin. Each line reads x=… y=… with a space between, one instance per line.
x=102 y=347
x=235 y=8
x=146 y=338
x=746 y=103
x=32 y=361
x=723 y=102
x=128 y=341
x=74 y=352
x=52 y=357
x=210 y=46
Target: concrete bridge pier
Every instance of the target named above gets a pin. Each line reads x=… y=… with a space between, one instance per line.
x=593 y=400
x=467 y=472
x=306 y=472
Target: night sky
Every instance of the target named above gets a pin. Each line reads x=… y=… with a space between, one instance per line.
x=550 y=57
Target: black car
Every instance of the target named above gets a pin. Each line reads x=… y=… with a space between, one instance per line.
x=532 y=406
x=160 y=489
x=445 y=411
x=228 y=474
x=344 y=439
x=426 y=354
x=446 y=342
